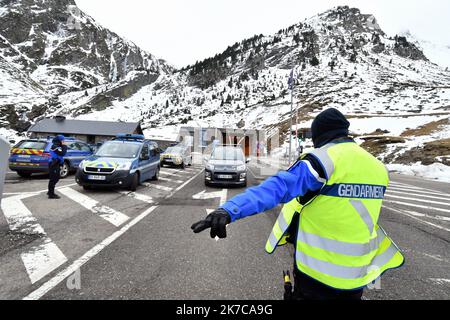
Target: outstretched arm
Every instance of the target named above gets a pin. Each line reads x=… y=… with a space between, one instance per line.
x=306 y=175
x=281 y=188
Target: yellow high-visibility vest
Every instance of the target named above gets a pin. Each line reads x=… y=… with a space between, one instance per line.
x=339 y=242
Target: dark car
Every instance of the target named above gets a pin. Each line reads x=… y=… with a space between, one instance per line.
x=226 y=165
x=32 y=156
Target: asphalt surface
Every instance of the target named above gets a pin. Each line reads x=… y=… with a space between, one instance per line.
x=106 y=244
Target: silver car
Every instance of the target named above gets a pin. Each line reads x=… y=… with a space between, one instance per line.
x=179 y=156
x=226 y=165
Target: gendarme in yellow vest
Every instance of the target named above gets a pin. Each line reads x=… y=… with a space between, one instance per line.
x=339 y=242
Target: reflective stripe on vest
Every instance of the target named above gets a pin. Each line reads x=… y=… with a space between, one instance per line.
x=338 y=240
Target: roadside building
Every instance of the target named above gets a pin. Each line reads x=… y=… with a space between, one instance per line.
x=204 y=138
x=92 y=132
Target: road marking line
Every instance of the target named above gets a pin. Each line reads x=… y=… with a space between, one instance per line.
x=417 y=206
x=440 y=281
x=41 y=259
x=115 y=217
x=138 y=196
x=157 y=186
x=407 y=186
x=35 y=193
x=418 y=200
x=415 y=218
x=176 y=173
x=425 y=196
x=76 y=265
x=203 y=195
x=170 y=180
x=184 y=184
x=415 y=191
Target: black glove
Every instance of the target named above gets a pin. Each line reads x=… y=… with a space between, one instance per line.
x=217 y=221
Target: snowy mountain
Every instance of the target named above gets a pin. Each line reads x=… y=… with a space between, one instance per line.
x=50 y=47
x=437 y=53
x=341 y=58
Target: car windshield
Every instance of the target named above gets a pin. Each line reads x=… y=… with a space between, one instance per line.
x=118 y=150
x=174 y=150
x=227 y=153
x=38 y=145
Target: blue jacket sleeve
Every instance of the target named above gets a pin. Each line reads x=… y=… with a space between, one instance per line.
x=281 y=188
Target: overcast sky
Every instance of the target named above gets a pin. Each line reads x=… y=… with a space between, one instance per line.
x=183 y=31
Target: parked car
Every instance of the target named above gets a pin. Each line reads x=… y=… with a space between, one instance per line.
x=125 y=161
x=226 y=165
x=32 y=156
x=179 y=156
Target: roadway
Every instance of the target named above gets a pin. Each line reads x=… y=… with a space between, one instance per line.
x=120 y=245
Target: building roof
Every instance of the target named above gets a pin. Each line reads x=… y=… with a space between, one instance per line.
x=85 y=127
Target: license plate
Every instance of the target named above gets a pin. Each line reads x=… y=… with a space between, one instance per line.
x=97 y=178
x=24 y=158
x=168 y=159
x=224 y=176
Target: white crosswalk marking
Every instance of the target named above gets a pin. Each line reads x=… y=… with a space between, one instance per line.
x=424 y=196
x=417 y=191
x=114 y=217
x=175 y=173
x=418 y=199
x=417 y=205
x=170 y=180
x=158 y=187
x=138 y=196
x=45 y=256
x=415 y=197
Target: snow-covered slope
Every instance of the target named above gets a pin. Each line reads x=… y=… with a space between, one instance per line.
x=341 y=58
x=57 y=48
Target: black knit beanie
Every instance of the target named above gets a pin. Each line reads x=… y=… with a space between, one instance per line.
x=327 y=126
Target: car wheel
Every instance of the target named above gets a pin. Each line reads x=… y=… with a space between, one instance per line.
x=134 y=182
x=65 y=169
x=207 y=184
x=190 y=163
x=24 y=174
x=183 y=165
x=156 y=176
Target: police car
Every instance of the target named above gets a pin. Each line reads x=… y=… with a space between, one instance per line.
x=32 y=156
x=125 y=161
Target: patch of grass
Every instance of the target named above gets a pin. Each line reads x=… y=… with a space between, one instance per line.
x=426 y=129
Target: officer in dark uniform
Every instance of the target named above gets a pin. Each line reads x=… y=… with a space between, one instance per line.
x=57 y=152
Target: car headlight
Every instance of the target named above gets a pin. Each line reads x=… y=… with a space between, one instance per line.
x=210 y=167
x=241 y=168
x=124 y=166
x=81 y=165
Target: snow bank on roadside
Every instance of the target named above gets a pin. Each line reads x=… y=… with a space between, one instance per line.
x=436 y=171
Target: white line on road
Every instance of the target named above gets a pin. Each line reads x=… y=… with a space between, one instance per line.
x=407 y=186
x=35 y=193
x=76 y=265
x=422 y=195
x=52 y=283
x=416 y=218
x=41 y=259
x=138 y=196
x=115 y=217
x=417 y=206
x=170 y=180
x=418 y=200
x=157 y=186
x=416 y=191
x=203 y=195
